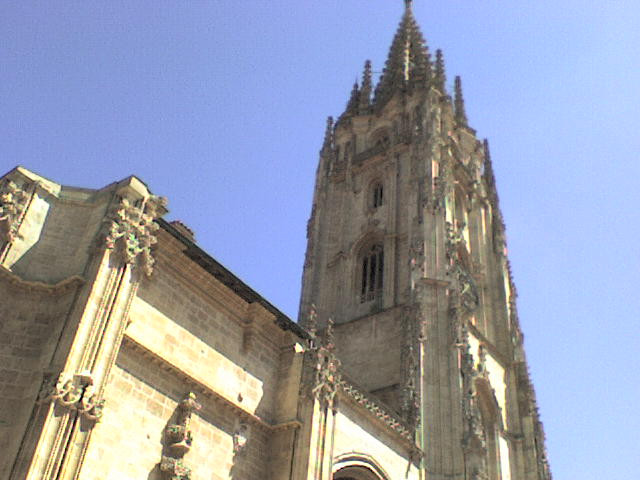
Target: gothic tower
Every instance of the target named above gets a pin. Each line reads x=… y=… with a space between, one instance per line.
x=407 y=255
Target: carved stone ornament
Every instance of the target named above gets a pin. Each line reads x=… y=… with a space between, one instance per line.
x=440 y=185
x=327 y=365
x=90 y=405
x=467 y=289
x=13 y=201
x=73 y=393
x=474 y=435
x=327 y=376
x=178 y=435
x=174 y=469
x=130 y=230
x=178 y=440
x=410 y=400
x=240 y=437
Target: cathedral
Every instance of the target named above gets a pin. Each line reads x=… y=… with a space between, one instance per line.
x=129 y=353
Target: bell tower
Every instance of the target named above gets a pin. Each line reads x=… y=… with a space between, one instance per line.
x=407 y=255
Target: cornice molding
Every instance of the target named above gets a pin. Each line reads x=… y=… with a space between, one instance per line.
x=50 y=288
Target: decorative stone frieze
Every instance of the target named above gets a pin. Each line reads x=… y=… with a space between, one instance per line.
x=130 y=230
x=13 y=201
x=382 y=413
x=178 y=440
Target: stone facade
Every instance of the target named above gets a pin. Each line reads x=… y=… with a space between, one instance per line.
x=130 y=353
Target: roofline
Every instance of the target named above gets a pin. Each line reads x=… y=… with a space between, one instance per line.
x=229 y=279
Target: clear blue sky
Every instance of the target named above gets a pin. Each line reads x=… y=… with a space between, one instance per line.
x=221 y=106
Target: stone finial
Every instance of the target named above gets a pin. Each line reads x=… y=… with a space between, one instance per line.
x=440 y=77
x=365 y=91
x=458 y=102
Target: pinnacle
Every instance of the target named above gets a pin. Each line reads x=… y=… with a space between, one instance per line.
x=328 y=135
x=408 y=62
x=458 y=102
x=365 y=91
x=354 y=100
x=440 y=75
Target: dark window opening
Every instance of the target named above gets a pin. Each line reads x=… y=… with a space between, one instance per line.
x=372 y=274
x=377 y=195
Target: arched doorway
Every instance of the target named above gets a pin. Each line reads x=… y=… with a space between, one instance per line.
x=355 y=473
x=357 y=467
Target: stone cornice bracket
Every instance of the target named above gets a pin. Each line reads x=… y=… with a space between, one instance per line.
x=14 y=200
x=178 y=440
x=73 y=392
x=129 y=228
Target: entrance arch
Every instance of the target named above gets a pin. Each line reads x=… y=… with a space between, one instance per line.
x=357 y=467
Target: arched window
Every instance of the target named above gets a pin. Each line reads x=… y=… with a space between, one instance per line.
x=376 y=195
x=372 y=268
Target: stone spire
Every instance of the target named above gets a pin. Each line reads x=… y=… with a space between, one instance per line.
x=408 y=61
x=458 y=102
x=354 y=100
x=499 y=236
x=365 y=90
x=440 y=78
x=327 y=145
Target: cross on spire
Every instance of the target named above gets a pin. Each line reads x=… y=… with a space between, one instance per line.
x=407 y=4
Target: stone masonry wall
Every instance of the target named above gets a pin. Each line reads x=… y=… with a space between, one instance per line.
x=141 y=400
x=30 y=325
x=188 y=332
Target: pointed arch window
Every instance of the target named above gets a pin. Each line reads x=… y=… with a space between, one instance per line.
x=371 y=274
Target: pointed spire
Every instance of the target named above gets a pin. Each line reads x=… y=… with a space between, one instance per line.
x=458 y=102
x=408 y=62
x=440 y=78
x=365 y=91
x=499 y=236
x=354 y=100
x=488 y=166
x=327 y=145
